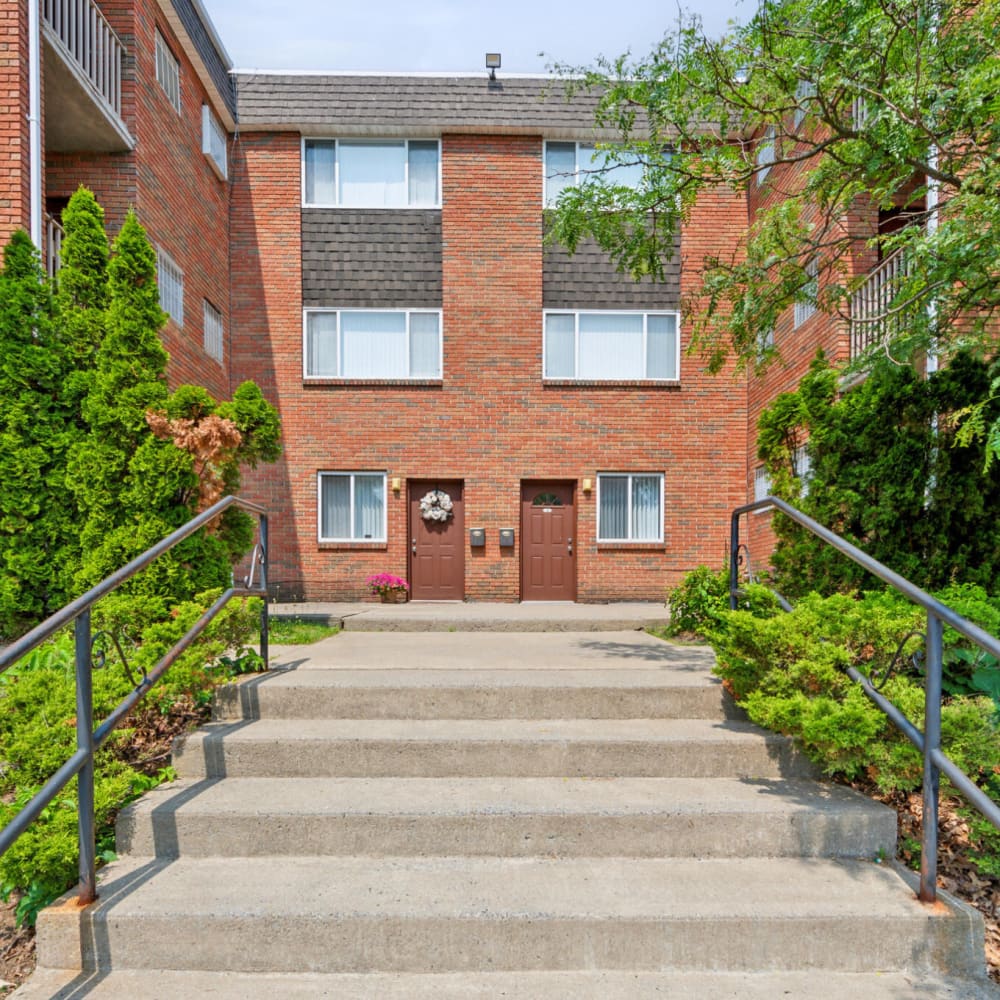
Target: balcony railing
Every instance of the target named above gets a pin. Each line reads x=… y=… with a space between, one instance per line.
x=873 y=320
x=53 y=246
x=91 y=43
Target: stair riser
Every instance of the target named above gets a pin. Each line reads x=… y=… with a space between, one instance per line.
x=244 y=702
x=279 y=943
x=441 y=759
x=708 y=835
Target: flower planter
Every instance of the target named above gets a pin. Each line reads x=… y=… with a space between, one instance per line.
x=394 y=597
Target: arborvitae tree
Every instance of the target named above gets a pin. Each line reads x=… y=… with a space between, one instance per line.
x=38 y=537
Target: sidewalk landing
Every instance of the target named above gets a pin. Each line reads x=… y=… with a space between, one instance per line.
x=429 y=616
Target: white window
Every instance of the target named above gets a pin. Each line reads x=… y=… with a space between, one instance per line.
x=213 y=331
x=570 y=163
x=804 y=93
x=168 y=72
x=352 y=507
x=803 y=468
x=629 y=507
x=765 y=154
x=362 y=173
x=213 y=141
x=761 y=483
x=608 y=346
x=765 y=341
x=170 y=279
x=371 y=344
x=806 y=304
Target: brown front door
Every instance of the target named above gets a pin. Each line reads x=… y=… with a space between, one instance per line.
x=437 y=548
x=548 y=530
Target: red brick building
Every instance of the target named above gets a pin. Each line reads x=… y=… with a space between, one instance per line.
x=463 y=404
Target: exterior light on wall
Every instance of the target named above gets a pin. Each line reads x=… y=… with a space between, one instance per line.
x=396 y=485
x=588 y=485
x=493 y=63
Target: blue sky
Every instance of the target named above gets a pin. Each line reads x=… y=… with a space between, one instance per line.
x=449 y=35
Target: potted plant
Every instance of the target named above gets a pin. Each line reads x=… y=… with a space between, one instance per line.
x=391 y=589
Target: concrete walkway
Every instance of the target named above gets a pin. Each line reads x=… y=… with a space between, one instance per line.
x=432 y=616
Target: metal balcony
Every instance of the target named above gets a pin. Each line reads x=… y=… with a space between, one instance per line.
x=873 y=320
x=83 y=80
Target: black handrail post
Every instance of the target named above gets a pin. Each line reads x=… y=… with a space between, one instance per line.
x=734 y=569
x=85 y=742
x=932 y=744
x=264 y=611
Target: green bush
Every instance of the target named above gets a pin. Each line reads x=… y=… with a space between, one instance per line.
x=38 y=726
x=701 y=599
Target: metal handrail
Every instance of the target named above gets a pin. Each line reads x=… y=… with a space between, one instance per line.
x=89 y=740
x=927 y=742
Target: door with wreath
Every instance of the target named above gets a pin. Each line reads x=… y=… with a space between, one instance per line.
x=437 y=540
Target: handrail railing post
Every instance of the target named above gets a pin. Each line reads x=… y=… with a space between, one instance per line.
x=264 y=611
x=734 y=569
x=932 y=776
x=85 y=742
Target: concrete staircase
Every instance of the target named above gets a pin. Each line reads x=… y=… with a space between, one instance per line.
x=501 y=815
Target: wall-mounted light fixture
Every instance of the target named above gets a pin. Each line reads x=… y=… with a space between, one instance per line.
x=493 y=63
x=588 y=485
x=396 y=485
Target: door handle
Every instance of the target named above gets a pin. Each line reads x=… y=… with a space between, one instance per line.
x=413 y=542
x=569 y=545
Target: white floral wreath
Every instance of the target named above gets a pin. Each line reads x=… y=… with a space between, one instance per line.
x=436 y=506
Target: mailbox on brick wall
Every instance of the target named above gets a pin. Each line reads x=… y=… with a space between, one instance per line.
x=506 y=538
x=477 y=537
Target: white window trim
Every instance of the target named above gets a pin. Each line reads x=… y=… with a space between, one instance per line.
x=212 y=315
x=631 y=540
x=761 y=487
x=165 y=264
x=319 y=506
x=807 y=306
x=161 y=53
x=805 y=91
x=803 y=468
x=336 y=173
x=577 y=313
x=578 y=170
x=211 y=126
x=766 y=153
x=340 y=352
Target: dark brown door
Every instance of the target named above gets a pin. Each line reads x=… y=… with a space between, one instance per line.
x=437 y=548
x=548 y=529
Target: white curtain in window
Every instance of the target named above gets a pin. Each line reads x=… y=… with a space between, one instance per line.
x=373 y=174
x=560 y=169
x=610 y=346
x=613 y=513
x=661 y=347
x=369 y=505
x=335 y=507
x=374 y=344
x=425 y=345
x=320 y=173
x=560 y=345
x=423 y=173
x=321 y=344
x=646 y=508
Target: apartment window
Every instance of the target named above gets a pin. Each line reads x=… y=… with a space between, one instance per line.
x=370 y=344
x=213 y=331
x=568 y=164
x=611 y=346
x=170 y=279
x=629 y=507
x=761 y=483
x=371 y=174
x=213 y=141
x=765 y=342
x=804 y=93
x=352 y=507
x=806 y=304
x=765 y=154
x=168 y=72
x=803 y=468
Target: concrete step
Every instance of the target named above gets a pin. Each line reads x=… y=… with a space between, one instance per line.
x=689 y=748
x=671 y=692
x=568 y=817
x=594 y=985
x=279 y=914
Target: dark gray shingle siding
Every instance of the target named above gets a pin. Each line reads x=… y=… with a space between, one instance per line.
x=215 y=63
x=371 y=258
x=397 y=105
x=588 y=280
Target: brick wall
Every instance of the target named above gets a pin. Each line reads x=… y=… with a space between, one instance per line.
x=490 y=422
x=14 y=182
